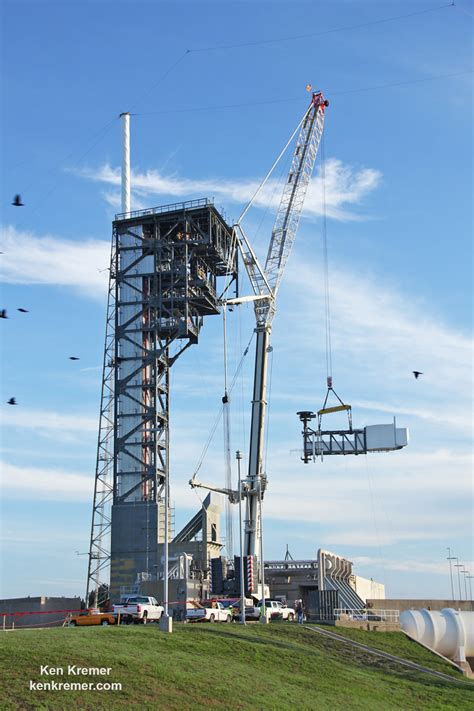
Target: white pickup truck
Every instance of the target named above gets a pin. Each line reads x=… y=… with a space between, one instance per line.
x=139 y=608
x=215 y=613
x=276 y=610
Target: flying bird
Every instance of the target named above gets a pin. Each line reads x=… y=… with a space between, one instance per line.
x=17 y=201
x=417 y=373
x=12 y=401
x=3 y=313
x=23 y=311
x=73 y=358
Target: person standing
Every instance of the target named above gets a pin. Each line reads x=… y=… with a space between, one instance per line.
x=299 y=611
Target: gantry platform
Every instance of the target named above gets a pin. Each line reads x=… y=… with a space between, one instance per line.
x=372 y=438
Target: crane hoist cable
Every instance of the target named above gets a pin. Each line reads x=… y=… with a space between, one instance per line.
x=227 y=448
x=221 y=409
x=228 y=481
x=327 y=310
x=242 y=387
x=225 y=410
x=278 y=182
x=266 y=178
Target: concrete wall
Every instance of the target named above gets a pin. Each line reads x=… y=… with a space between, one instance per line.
x=367 y=589
x=36 y=605
x=401 y=604
x=371 y=626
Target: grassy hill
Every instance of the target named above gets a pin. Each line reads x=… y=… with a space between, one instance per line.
x=281 y=666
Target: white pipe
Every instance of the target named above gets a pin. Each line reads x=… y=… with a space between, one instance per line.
x=449 y=632
x=126 y=200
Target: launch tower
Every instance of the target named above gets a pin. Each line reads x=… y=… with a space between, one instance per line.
x=167 y=266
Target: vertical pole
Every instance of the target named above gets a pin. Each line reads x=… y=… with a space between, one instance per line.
x=166 y=562
x=238 y=456
x=459 y=565
x=126 y=203
x=465 y=573
x=166 y=622
x=450 y=558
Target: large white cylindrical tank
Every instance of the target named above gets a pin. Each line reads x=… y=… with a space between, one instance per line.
x=446 y=631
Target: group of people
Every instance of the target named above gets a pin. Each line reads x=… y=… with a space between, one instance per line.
x=183 y=236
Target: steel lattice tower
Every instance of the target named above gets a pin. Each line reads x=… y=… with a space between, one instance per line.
x=164 y=272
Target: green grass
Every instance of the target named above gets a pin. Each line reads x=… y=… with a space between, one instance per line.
x=279 y=667
x=398 y=644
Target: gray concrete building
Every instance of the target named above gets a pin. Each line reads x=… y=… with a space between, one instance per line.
x=36 y=611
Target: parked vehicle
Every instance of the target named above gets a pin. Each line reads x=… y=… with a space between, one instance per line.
x=251 y=611
x=227 y=601
x=92 y=616
x=276 y=610
x=139 y=608
x=215 y=612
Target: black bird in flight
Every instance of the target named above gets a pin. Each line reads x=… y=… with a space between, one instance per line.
x=17 y=201
x=417 y=373
x=12 y=401
x=73 y=358
x=3 y=313
x=23 y=311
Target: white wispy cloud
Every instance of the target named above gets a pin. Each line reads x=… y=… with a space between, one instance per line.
x=49 y=420
x=346 y=187
x=67 y=427
x=436 y=567
x=450 y=418
x=35 y=537
x=49 y=484
x=49 y=260
x=379 y=335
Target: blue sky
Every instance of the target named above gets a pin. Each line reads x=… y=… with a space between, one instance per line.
x=399 y=190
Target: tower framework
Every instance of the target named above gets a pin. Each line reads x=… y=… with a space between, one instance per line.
x=167 y=265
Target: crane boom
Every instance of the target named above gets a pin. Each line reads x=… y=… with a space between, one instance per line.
x=266 y=284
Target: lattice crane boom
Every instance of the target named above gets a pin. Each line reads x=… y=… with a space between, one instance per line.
x=265 y=282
